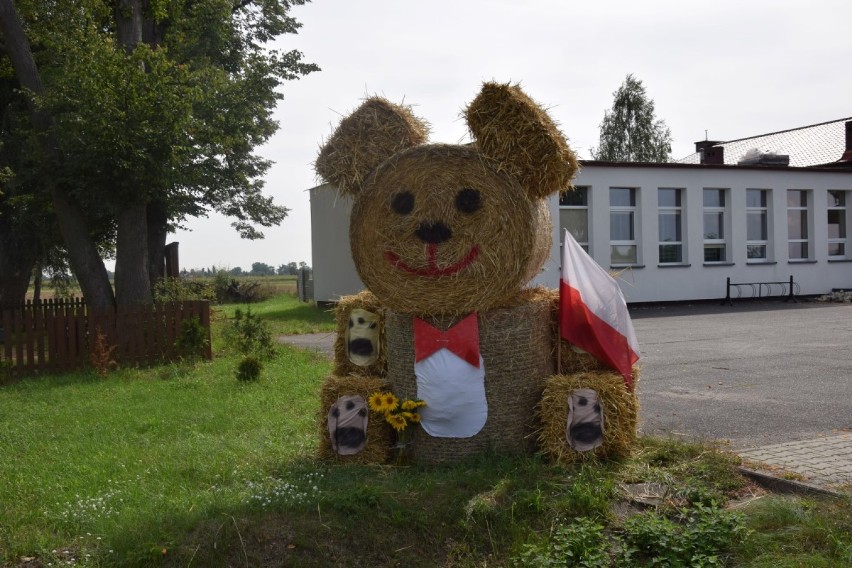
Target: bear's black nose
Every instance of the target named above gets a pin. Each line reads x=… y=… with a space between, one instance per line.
x=433 y=233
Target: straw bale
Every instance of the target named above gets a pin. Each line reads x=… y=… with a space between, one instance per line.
x=567 y=356
x=375 y=131
x=364 y=300
x=515 y=344
x=514 y=130
x=380 y=436
x=510 y=234
x=620 y=410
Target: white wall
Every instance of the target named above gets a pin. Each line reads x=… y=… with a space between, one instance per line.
x=650 y=282
x=334 y=271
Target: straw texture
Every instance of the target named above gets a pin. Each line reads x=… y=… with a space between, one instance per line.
x=375 y=131
x=620 y=410
x=512 y=129
x=515 y=344
x=364 y=300
x=489 y=254
x=380 y=436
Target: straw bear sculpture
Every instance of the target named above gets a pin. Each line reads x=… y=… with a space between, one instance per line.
x=446 y=238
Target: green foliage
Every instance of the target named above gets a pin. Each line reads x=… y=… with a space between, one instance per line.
x=699 y=536
x=175 y=289
x=630 y=131
x=582 y=543
x=192 y=339
x=248 y=369
x=249 y=335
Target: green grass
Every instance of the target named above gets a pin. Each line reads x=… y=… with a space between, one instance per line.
x=183 y=465
x=285 y=315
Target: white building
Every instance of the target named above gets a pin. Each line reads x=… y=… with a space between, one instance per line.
x=678 y=231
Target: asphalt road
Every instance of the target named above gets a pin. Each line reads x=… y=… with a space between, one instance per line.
x=753 y=374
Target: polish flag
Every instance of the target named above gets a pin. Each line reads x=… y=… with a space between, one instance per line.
x=592 y=312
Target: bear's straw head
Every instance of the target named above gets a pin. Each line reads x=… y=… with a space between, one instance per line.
x=449 y=229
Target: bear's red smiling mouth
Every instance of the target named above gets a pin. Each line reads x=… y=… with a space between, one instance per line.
x=432 y=269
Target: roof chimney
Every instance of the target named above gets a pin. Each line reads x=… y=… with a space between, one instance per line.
x=705 y=144
x=713 y=155
x=847 y=155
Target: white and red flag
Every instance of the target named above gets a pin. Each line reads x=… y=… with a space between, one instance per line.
x=592 y=312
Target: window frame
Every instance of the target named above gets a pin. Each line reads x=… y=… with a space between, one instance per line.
x=763 y=211
x=678 y=211
x=844 y=216
x=804 y=212
x=722 y=209
x=632 y=210
x=587 y=192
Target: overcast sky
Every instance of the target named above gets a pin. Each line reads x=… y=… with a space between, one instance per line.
x=732 y=68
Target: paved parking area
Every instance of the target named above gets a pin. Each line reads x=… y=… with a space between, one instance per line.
x=754 y=374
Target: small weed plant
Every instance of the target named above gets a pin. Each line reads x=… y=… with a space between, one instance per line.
x=582 y=543
x=192 y=339
x=100 y=356
x=698 y=536
x=249 y=369
x=249 y=335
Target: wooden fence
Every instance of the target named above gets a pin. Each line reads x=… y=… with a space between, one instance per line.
x=59 y=335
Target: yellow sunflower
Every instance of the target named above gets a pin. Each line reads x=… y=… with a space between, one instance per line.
x=409 y=405
x=397 y=421
x=389 y=402
x=376 y=402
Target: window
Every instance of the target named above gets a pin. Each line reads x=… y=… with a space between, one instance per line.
x=574 y=215
x=670 y=214
x=622 y=226
x=837 y=224
x=757 y=224
x=715 y=243
x=797 y=224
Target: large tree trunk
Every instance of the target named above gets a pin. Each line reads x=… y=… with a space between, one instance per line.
x=157 y=232
x=131 y=261
x=83 y=254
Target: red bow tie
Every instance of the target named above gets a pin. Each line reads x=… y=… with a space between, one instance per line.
x=462 y=339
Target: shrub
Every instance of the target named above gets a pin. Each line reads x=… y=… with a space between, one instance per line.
x=192 y=339
x=172 y=289
x=248 y=370
x=250 y=335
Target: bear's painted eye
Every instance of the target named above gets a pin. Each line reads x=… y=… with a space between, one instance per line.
x=468 y=200
x=403 y=202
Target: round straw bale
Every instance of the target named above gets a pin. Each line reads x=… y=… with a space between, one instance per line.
x=620 y=414
x=364 y=300
x=380 y=436
x=489 y=256
x=518 y=134
x=515 y=344
x=375 y=131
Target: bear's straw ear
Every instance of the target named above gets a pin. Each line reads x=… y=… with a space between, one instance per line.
x=512 y=129
x=377 y=130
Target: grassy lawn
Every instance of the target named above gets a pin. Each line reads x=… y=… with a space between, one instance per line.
x=183 y=465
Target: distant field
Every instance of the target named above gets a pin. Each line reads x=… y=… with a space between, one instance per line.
x=272 y=285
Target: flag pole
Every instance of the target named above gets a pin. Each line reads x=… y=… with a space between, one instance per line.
x=559 y=317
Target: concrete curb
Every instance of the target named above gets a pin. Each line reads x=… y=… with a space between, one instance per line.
x=789 y=486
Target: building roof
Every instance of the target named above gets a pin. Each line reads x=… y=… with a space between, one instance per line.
x=818 y=144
